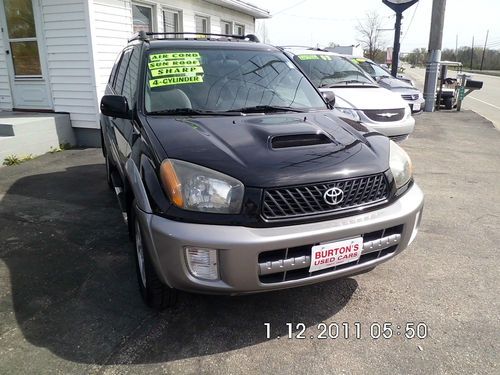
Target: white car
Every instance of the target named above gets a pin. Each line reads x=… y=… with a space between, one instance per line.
x=358 y=97
x=401 y=86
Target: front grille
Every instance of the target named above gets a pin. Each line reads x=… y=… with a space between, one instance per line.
x=385 y=115
x=307 y=200
x=293 y=263
x=410 y=96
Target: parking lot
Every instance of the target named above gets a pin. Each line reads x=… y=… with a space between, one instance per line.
x=69 y=301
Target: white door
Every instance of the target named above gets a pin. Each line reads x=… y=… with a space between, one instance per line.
x=21 y=28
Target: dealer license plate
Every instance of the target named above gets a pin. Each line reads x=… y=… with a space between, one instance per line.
x=335 y=253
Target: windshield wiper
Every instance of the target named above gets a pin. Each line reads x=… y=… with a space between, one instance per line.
x=190 y=111
x=347 y=82
x=266 y=108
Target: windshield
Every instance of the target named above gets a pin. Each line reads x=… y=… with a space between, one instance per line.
x=373 y=69
x=330 y=70
x=203 y=81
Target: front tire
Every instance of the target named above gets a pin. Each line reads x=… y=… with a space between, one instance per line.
x=154 y=293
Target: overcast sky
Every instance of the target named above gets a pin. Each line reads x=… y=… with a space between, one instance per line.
x=312 y=22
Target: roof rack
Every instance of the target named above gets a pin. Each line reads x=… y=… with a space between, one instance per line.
x=142 y=35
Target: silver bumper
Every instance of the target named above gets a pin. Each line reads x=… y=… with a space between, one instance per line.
x=239 y=247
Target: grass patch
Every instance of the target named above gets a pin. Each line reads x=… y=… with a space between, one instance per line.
x=16 y=160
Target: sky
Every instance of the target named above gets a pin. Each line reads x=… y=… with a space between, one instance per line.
x=319 y=22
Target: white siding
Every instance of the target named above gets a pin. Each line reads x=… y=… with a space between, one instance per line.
x=5 y=95
x=111 y=22
x=69 y=60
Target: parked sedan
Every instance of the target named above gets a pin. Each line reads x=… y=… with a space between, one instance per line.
x=358 y=96
x=400 y=86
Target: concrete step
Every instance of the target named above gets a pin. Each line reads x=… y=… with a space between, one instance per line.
x=25 y=133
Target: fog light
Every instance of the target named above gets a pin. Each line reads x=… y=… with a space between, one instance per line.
x=202 y=263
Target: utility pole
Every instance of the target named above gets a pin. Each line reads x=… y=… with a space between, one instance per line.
x=456 y=48
x=484 y=49
x=472 y=52
x=434 y=56
x=398 y=6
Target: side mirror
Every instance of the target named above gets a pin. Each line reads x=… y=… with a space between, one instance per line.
x=115 y=106
x=329 y=98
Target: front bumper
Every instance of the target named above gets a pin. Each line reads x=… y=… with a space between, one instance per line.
x=417 y=106
x=403 y=127
x=240 y=247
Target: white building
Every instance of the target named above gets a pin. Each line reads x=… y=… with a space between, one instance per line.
x=56 y=55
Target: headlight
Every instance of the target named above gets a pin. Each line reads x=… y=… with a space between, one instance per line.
x=400 y=165
x=195 y=188
x=348 y=112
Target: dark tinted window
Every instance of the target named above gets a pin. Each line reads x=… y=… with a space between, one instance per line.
x=120 y=75
x=130 y=81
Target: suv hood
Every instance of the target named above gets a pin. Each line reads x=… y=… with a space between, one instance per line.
x=250 y=148
x=366 y=98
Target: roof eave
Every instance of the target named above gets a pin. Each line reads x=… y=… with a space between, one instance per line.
x=243 y=7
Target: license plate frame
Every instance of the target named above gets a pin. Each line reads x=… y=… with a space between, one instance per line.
x=335 y=253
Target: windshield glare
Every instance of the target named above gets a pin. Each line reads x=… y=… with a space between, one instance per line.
x=218 y=80
x=327 y=70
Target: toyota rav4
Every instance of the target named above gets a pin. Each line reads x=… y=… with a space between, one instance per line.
x=235 y=175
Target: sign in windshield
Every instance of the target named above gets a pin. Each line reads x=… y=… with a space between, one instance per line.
x=218 y=80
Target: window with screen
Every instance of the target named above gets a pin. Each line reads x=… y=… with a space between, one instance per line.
x=202 y=24
x=239 y=29
x=142 y=18
x=172 y=21
x=226 y=27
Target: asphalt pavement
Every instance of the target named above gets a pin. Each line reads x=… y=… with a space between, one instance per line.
x=69 y=301
x=486 y=101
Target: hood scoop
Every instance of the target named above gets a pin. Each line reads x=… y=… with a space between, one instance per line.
x=299 y=140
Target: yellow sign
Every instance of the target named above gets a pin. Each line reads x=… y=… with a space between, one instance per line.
x=174 y=56
x=173 y=63
x=182 y=71
x=314 y=57
x=167 y=81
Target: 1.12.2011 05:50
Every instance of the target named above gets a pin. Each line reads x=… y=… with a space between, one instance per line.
x=356 y=330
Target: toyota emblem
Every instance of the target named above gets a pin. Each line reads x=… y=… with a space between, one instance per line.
x=333 y=196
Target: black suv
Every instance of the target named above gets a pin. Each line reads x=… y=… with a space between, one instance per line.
x=235 y=175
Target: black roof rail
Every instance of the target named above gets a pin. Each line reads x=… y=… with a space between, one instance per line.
x=142 y=35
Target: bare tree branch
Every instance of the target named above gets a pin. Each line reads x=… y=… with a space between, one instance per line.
x=369 y=34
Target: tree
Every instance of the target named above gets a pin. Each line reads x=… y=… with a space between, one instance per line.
x=369 y=35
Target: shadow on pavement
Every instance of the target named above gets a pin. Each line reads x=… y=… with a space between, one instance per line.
x=73 y=283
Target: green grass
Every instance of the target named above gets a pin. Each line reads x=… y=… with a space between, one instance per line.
x=15 y=160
